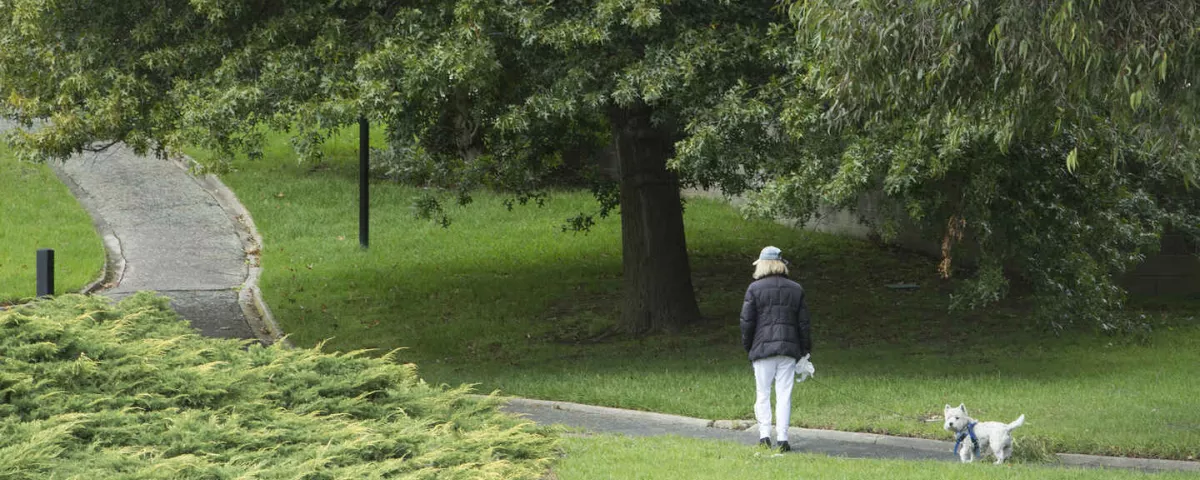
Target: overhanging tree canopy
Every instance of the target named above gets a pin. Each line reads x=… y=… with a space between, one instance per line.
x=495 y=88
x=1057 y=139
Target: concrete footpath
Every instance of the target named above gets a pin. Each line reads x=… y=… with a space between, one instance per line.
x=164 y=233
x=180 y=235
x=806 y=440
x=174 y=233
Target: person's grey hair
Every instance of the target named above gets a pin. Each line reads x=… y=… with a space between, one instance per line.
x=763 y=268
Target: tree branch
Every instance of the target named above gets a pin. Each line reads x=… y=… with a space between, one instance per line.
x=101 y=148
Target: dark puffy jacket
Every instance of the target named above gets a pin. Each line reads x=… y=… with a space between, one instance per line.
x=775 y=319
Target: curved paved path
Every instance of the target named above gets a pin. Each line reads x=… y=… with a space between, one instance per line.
x=807 y=440
x=170 y=234
x=165 y=232
x=635 y=423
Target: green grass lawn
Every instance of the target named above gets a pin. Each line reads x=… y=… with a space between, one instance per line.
x=37 y=212
x=615 y=457
x=504 y=300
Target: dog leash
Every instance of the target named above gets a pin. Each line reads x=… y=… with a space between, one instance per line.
x=856 y=400
x=968 y=432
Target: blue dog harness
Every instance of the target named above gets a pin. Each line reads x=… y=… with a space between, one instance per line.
x=969 y=432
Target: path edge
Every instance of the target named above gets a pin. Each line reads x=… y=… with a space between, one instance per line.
x=114 y=255
x=258 y=314
x=1068 y=459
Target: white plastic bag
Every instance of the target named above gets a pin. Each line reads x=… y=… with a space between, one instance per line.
x=804 y=369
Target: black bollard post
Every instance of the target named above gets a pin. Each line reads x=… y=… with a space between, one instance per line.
x=364 y=185
x=45 y=272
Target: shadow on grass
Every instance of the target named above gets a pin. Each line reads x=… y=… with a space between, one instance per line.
x=551 y=311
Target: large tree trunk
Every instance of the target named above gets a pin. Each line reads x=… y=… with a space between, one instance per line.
x=657 y=278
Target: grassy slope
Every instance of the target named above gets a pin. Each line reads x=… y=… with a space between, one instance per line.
x=38 y=211
x=605 y=457
x=504 y=300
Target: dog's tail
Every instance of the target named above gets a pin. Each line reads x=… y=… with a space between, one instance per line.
x=1016 y=423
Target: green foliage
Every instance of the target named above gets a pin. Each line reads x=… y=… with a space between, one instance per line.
x=1114 y=76
x=495 y=91
x=483 y=94
x=130 y=391
x=1048 y=144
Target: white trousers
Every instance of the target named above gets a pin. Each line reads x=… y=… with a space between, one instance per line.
x=782 y=371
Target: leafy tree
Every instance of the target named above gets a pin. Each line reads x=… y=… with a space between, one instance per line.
x=487 y=92
x=1052 y=140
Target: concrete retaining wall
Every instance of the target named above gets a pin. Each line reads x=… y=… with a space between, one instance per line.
x=1175 y=270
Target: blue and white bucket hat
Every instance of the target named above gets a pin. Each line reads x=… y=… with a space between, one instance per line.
x=770 y=253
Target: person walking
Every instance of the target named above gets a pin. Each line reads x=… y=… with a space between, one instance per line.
x=775 y=334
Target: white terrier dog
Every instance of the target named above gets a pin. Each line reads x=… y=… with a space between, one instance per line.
x=971 y=435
